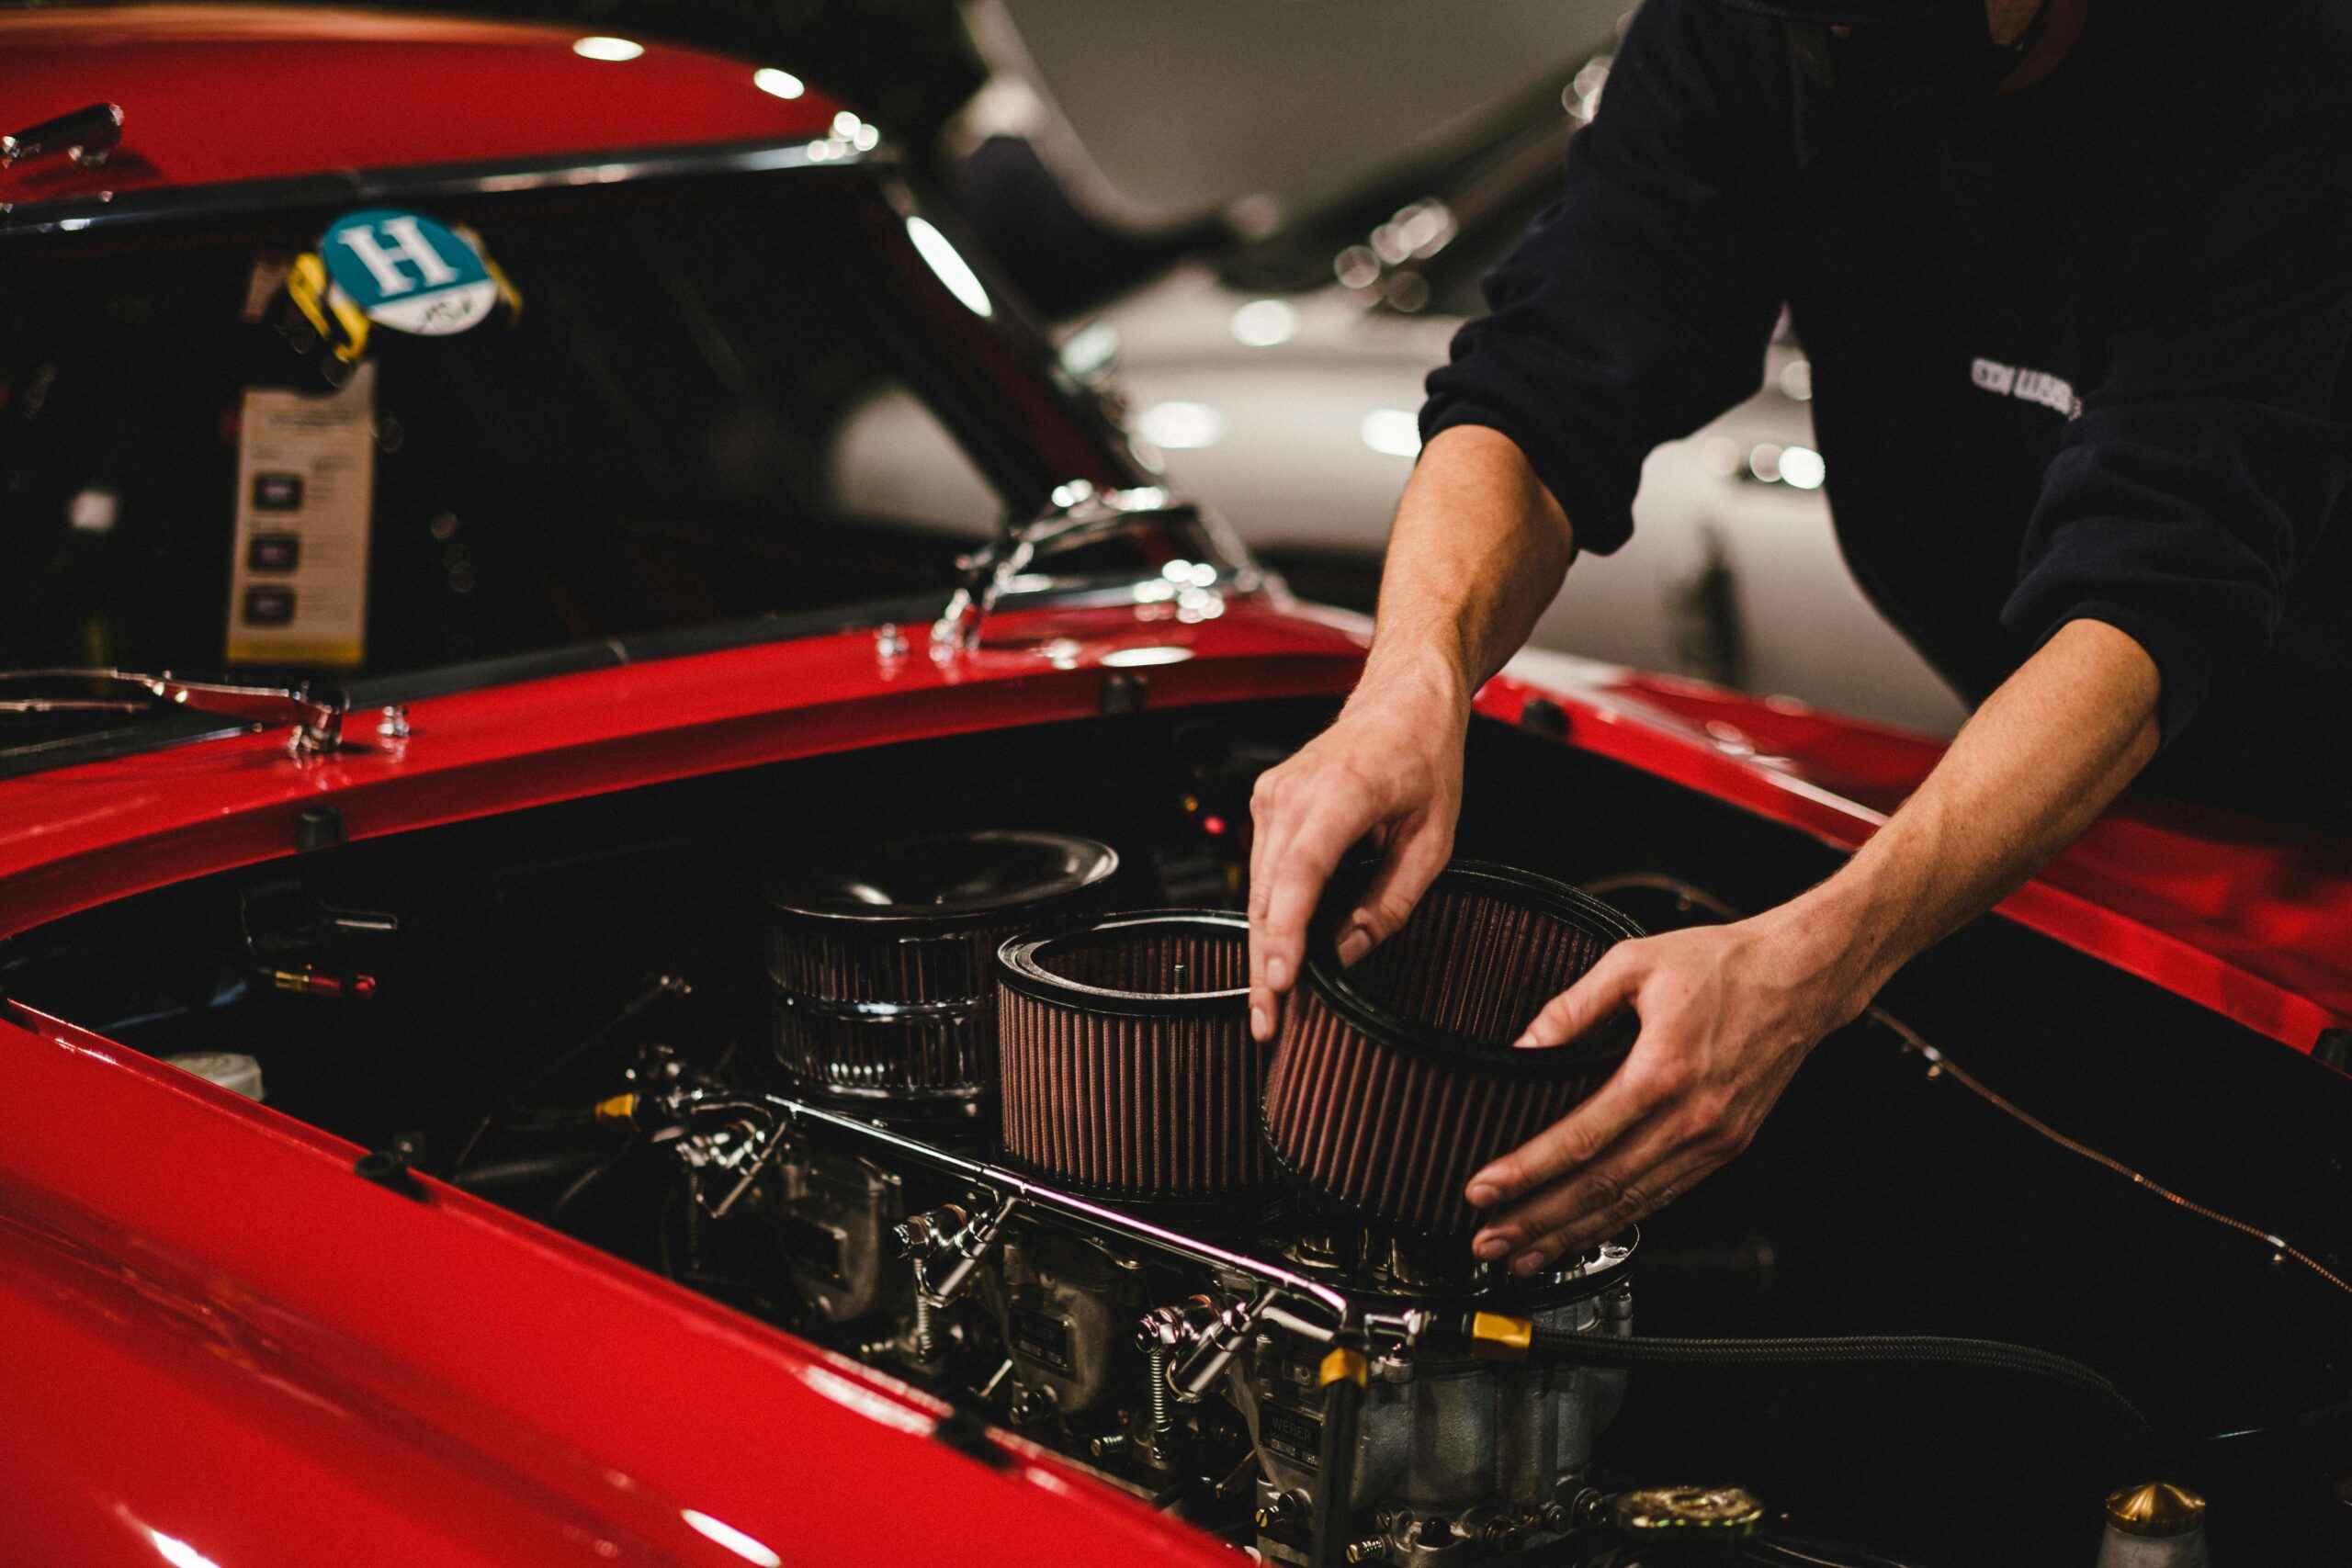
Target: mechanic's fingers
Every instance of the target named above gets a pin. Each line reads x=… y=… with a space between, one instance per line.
x=1638 y=1202
x=1578 y=1139
x=1297 y=873
x=1273 y=828
x=1624 y=1172
x=1415 y=857
x=1606 y=986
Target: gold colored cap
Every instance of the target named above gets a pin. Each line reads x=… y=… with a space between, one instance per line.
x=1717 y=1510
x=2156 y=1508
x=1498 y=1336
x=1343 y=1362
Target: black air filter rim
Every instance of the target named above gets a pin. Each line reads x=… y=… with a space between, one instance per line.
x=1017 y=965
x=923 y=921
x=1602 y=1044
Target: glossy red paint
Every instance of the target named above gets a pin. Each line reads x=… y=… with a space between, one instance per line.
x=235 y=1345
x=2251 y=921
x=2247 y=918
x=73 y=838
x=212 y=94
x=226 y=1348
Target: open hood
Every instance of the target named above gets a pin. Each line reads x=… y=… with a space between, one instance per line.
x=1157 y=117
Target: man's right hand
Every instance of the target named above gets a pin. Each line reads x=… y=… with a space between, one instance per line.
x=1390 y=769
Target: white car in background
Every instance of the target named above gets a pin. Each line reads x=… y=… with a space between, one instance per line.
x=1279 y=380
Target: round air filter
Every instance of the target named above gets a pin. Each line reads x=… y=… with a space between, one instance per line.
x=1393 y=1082
x=884 y=959
x=1127 y=1059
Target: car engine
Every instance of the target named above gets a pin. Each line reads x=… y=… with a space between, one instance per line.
x=1022 y=1147
x=938 y=1057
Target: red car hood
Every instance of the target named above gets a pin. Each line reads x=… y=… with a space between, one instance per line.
x=2251 y=920
x=270 y=1360
x=216 y=94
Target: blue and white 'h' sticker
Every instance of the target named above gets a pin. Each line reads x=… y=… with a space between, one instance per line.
x=409 y=273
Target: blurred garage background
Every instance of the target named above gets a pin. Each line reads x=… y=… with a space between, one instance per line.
x=1255 y=224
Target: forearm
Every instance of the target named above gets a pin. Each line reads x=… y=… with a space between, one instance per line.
x=1479 y=549
x=1728 y=1012
x=2035 y=766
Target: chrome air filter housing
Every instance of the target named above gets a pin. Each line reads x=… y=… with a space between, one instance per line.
x=1126 y=1062
x=1394 y=1080
x=883 y=958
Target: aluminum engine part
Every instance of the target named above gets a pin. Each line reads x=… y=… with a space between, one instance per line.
x=834 y=1215
x=1458 y=1459
x=1067 y=1309
x=2154 y=1526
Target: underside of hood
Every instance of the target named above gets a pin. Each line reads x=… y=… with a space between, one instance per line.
x=1157 y=117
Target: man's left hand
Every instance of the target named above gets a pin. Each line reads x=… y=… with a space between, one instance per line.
x=1727 y=1013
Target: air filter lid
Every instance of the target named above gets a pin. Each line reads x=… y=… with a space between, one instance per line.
x=1358 y=996
x=1062 y=965
x=943 y=880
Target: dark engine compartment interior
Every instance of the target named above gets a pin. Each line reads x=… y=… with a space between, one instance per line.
x=466 y=993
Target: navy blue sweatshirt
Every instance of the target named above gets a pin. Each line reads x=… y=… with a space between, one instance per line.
x=2081 y=351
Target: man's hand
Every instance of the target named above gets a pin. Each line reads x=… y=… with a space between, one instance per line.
x=1727 y=1014
x=1729 y=1011
x=1390 y=769
x=1478 y=550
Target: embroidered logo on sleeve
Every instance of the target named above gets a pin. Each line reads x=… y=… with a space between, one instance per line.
x=2033 y=385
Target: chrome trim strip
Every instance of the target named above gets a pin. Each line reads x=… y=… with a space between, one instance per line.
x=111 y=210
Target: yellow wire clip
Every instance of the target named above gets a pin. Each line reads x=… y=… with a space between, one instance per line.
x=1497 y=1337
x=1343 y=1363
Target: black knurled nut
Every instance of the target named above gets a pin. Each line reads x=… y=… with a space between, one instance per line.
x=1542 y=715
x=318 y=828
x=971 y=1436
x=389 y=1168
x=1124 y=691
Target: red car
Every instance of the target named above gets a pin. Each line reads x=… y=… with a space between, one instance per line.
x=597 y=1014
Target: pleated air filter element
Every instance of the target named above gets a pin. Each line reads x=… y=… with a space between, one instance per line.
x=1128 y=1065
x=1395 y=1081
x=884 y=958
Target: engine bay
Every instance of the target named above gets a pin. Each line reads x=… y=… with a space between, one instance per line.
x=933 y=1055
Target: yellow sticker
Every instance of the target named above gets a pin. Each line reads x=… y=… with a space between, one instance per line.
x=306 y=480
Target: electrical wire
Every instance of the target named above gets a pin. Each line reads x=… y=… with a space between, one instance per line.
x=1941 y=1065
x=589 y=1177
x=662 y=985
x=1792 y=1553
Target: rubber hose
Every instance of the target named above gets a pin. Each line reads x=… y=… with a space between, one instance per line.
x=525 y=1172
x=1554 y=1347
x=1335 y=1475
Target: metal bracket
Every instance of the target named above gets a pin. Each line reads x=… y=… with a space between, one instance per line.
x=1205 y=560
x=88 y=135
x=317 y=720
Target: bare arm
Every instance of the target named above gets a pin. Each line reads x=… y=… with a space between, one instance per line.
x=1477 y=549
x=1728 y=1012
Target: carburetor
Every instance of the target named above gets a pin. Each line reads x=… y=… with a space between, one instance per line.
x=1179 y=1357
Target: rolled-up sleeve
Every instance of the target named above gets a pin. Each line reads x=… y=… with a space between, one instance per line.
x=2216 y=447
x=1639 y=305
